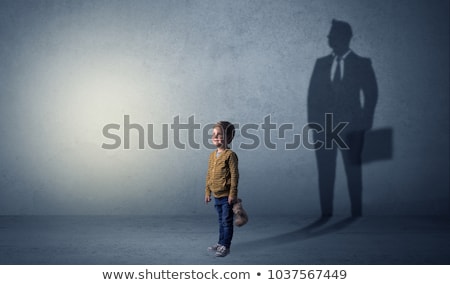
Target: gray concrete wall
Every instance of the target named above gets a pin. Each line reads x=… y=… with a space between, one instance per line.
x=69 y=68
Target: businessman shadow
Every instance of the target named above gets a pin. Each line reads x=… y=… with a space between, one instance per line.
x=342 y=97
x=311 y=230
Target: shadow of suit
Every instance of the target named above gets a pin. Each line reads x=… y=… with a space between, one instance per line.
x=350 y=98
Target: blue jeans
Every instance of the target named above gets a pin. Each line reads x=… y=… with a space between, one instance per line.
x=225 y=215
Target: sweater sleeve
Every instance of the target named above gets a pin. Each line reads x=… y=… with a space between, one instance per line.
x=234 y=174
x=208 y=175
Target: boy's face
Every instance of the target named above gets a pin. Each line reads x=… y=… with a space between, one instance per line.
x=218 y=137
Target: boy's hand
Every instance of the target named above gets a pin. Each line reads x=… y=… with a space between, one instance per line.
x=231 y=200
x=207 y=199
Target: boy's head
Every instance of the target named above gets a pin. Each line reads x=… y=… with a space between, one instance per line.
x=223 y=133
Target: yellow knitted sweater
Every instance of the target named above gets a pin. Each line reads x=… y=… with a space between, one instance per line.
x=223 y=174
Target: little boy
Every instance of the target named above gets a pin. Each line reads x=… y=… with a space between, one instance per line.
x=222 y=181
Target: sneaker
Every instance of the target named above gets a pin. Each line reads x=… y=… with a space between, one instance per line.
x=222 y=251
x=214 y=247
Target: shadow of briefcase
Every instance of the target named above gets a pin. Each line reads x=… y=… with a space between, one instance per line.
x=378 y=145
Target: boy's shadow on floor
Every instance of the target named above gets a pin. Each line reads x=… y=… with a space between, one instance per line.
x=307 y=232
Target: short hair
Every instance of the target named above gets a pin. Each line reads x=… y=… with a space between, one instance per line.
x=228 y=130
x=342 y=28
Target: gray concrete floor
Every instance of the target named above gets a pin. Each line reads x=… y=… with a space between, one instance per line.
x=147 y=240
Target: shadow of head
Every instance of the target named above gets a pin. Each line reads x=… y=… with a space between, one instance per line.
x=339 y=36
